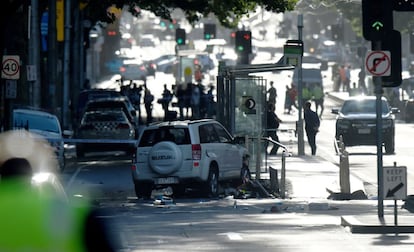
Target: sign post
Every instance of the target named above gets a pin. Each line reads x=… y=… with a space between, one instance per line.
x=395 y=185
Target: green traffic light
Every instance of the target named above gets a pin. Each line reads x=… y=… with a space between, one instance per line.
x=180 y=41
x=377 y=25
x=207 y=36
x=240 y=48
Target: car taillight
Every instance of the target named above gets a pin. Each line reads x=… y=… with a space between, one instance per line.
x=196 y=151
x=133 y=167
x=122 y=69
x=142 y=68
x=122 y=126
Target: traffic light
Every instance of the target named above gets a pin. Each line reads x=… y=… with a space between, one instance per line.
x=244 y=42
x=232 y=38
x=209 y=31
x=180 y=36
x=377 y=18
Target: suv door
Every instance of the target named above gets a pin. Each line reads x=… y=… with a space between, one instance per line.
x=221 y=143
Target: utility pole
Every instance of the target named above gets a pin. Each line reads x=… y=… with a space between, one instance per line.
x=301 y=144
x=66 y=64
x=52 y=57
x=34 y=53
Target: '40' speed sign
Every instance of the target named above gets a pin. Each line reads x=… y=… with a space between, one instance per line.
x=10 y=67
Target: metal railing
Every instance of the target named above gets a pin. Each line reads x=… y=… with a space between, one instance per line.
x=285 y=154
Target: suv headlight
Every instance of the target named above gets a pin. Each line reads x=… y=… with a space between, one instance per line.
x=342 y=124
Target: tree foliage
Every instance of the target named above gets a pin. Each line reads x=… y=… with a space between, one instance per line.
x=352 y=11
x=228 y=12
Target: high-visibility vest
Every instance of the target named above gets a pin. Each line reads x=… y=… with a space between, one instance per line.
x=34 y=222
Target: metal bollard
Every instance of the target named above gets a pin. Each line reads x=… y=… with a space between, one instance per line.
x=274 y=180
x=283 y=176
x=344 y=172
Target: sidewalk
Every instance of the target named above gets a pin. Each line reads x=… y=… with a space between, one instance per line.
x=309 y=181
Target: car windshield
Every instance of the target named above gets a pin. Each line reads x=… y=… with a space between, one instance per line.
x=34 y=122
x=363 y=106
x=104 y=116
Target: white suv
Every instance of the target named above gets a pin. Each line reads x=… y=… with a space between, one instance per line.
x=178 y=153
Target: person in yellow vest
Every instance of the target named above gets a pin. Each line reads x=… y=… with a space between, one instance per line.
x=306 y=94
x=318 y=98
x=34 y=221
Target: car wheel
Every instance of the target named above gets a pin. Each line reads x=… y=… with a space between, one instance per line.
x=212 y=184
x=143 y=190
x=389 y=146
x=165 y=158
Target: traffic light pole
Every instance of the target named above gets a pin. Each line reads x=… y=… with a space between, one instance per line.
x=301 y=144
x=376 y=46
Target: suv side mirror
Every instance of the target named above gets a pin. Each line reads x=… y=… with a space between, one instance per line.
x=395 y=110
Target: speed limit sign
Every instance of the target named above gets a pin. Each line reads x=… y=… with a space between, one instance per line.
x=10 y=67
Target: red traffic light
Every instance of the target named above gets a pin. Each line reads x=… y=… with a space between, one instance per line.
x=246 y=36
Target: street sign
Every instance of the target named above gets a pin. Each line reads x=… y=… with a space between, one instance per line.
x=378 y=63
x=11 y=89
x=395 y=182
x=31 y=73
x=292 y=51
x=10 y=67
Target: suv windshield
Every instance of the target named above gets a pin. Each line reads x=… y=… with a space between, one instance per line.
x=363 y=106
x=151 y=137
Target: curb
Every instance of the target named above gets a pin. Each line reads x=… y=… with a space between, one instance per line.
x=372 y=225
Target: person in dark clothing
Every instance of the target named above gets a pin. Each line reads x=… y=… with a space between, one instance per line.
x=181 y=100
x=272 y=124
x=311 y=125
x=148 y=99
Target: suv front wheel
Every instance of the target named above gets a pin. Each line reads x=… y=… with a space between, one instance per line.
x=212 y=184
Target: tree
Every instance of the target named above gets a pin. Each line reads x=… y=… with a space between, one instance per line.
x=352 y=11
x=227 y=12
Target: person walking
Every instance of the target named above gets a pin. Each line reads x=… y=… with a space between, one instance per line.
x=312 y=124
x=272 y=124
x=165 y=100
x=318 y=98
x=148 y=99
x=195 y=101
x=180 y=94
x=272 y=94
